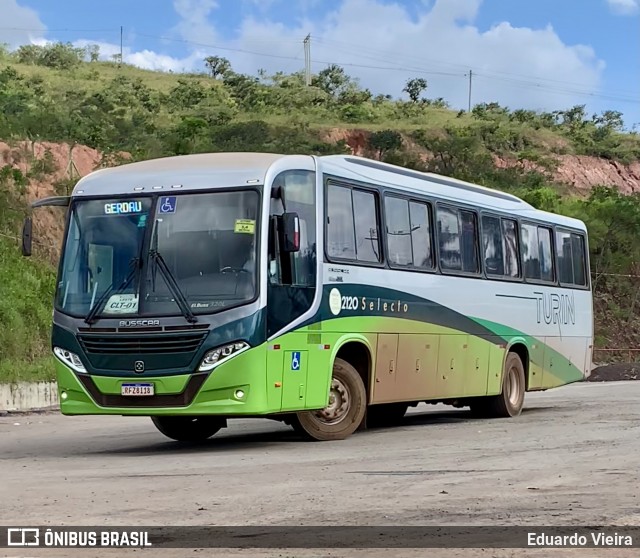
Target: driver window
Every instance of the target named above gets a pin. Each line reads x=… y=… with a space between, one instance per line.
x=299 y=192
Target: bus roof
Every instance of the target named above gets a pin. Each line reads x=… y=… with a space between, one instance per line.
x=200 y=170
x=212 y=170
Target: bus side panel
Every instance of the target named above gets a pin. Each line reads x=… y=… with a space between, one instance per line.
x=564 y=360
x=477 y=370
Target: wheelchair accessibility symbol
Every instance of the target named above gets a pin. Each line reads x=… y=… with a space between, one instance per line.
x=168 y=204
x=295 y=361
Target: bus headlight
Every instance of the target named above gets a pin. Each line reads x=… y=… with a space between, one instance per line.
x=213 y=357
x=72 y=359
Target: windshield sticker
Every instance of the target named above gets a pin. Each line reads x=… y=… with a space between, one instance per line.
x=167 y=204
x=121 y=304
x=123 y=208
x=142 y=222
x=247 y=226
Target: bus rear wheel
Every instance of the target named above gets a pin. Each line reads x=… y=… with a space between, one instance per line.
x=344 y=412
x=188 y=428
x=510 y=400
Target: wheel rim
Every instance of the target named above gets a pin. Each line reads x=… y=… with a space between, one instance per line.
x=513 y=386
x=339 y=403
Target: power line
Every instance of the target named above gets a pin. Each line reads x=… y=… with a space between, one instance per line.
x=379 y=54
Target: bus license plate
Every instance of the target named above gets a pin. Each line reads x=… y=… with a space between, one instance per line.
x=137 y=389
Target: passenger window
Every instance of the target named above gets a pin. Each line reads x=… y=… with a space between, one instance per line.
x=421 y=235
x=579 y=260
x=537 y=253
x=530 y=251
x=352 y=224
x=546 y=254
x=565 y=263
x=469 y=242
x=492 y=246
x=449 y=239
x=340 y=232
x=366 y=225
x=510 y=248
x=399 y=236
x=572 y=259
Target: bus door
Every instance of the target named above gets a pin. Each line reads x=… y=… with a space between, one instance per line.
x=292 y=283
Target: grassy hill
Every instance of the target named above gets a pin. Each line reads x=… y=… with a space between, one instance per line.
x=54 y=94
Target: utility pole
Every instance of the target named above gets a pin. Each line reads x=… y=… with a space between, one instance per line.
x=470 y=79
x=120 y=46
x=307 y=59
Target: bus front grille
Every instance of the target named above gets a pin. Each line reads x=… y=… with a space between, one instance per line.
x=184 y=342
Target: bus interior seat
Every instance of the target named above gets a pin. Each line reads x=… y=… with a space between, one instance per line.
x=194 y=253
x=235 y=248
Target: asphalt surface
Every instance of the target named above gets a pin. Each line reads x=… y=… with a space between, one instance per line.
x=571 y=458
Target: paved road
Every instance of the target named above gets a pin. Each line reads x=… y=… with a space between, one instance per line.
x=572 y=457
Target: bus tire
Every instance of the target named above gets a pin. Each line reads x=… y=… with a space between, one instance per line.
x=188 y=428
x=345 y=411
x=509 y=402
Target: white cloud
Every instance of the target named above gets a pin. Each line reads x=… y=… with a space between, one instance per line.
x=624 y=7
x=20 y=24
x=383 y=45
x=441 y=40
x=146 y=59
x=194 y=20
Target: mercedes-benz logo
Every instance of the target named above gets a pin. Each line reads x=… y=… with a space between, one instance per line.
x=138 y=367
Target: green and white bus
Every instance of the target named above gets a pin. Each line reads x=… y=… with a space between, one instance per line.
x=328 y=292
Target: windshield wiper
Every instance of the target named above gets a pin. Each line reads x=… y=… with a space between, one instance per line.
x=181 y=301
x=136 y=265
x=170 y=280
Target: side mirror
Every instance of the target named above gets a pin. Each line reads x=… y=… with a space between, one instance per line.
x=290 y=232
x=26 y=236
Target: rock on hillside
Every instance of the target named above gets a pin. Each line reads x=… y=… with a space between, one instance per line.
x=586 y=172
x=63 y=164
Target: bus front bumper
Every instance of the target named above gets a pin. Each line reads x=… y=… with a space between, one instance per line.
x=232 y=388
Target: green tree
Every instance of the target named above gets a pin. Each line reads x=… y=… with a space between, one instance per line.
x=414 y=88
x=217 y=65
x=385 y=141
x=333 y=79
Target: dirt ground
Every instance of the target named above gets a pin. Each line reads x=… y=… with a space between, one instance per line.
x=570 y=459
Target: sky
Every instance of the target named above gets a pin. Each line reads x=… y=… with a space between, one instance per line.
x=534 y=54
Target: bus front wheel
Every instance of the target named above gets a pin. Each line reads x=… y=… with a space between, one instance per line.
x=509 y=402
x=188 y=428
x=344 y=412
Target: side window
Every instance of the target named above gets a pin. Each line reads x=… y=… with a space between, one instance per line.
x=530 y=251
x=579 y=260
x=510 y=248
x=469 y=242
x=537 y=253
x=408 y=233
x=398 y=231
x=572 y=259
x=458 y=240
x=565 y=259
x=366 y=224
x=352 y=224
x=546 y=254
x=492 y=246
x=341 y=241
x=421 y=235
x=300 y=194
x=449 y=239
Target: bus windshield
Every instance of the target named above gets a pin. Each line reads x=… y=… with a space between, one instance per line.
x=186 y=254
